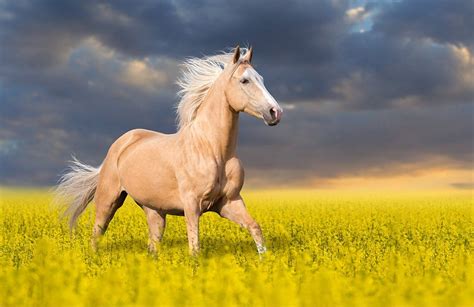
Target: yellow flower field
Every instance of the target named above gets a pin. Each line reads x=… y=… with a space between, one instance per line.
x=325 y=249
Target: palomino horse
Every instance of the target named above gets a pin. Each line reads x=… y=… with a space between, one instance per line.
x=187 y=173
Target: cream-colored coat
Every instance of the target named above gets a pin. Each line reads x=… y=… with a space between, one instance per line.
x=194 y=170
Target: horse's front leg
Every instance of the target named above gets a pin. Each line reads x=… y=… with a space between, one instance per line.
x=235 y=210
x=192 y=213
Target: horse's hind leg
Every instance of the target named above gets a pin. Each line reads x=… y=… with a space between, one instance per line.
x=156 y=227
x=107 y=201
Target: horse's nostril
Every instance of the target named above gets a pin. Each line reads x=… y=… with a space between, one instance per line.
x=273 y=113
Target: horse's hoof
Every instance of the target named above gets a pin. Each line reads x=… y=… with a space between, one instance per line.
x=152 y=249
x=194 y=252
x=261 y=249
x=95 y=246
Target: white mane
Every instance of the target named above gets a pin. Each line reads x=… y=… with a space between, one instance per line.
x=198 y=75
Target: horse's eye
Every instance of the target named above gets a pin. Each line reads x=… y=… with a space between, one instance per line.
x=244 y=81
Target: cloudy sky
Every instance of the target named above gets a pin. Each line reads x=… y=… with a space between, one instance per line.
x=379 y=92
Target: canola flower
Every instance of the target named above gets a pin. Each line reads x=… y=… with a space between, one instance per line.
x=325 y=249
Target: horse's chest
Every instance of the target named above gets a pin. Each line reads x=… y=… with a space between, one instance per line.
x=229 y=184
x=214 y=187
x=203 y=182
x=224 y=184
x=216 y=181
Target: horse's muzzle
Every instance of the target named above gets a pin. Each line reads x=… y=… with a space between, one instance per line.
x=274 y=116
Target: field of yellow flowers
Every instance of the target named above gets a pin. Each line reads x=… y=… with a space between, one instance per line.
x=325 y=249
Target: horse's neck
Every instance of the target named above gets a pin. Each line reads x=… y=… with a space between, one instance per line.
x=216 y=125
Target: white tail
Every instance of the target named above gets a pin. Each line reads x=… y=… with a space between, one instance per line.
x=77 y=186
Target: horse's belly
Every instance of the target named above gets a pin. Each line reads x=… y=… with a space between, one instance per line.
x=153 y=191
x=174 y=212
x=160 y=198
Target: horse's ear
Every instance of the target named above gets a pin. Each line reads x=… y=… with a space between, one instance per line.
x=236 y=54
x=248 y=55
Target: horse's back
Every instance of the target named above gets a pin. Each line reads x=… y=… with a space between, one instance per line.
x=135 y=135
x=122 y=144
x=130 y=138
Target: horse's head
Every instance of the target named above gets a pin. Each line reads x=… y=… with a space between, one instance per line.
x=246 y=92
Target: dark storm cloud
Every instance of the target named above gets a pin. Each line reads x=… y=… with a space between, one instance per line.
x=444 y=21
x=178 y=28
x=74 y=75
x=370 y=142
x=385 y=72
